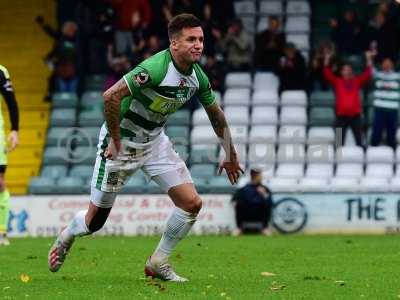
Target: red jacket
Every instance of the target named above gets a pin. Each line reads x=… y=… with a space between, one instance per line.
x=126 y=8
x=348 y=102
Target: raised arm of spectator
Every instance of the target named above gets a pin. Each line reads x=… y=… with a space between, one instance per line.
x=365 y=76
x=47 y=28
x=328 y=74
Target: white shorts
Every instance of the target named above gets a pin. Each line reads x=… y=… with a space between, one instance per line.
x=158 y=161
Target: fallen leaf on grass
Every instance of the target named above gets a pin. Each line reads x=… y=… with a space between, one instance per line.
x=315 y=278
x=267 y=274
x=340 y=282
x=25 y=278
x=153 y=282
x=276 y=286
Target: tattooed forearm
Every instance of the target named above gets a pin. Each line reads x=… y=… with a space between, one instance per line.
x=220 y=125
x=112 y=101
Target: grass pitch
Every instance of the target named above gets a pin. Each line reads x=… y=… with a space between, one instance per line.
x=305 y=267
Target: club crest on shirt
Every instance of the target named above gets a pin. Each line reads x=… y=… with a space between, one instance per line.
x=182 y=82
x=141 y=78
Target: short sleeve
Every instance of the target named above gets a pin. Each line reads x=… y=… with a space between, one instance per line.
x=205 y=92
x=148 y=73
x=138 y=78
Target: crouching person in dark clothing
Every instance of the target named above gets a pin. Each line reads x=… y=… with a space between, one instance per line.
x=253 y=206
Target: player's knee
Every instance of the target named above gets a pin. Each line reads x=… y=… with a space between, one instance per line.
x=194 y=205
x=96 y=224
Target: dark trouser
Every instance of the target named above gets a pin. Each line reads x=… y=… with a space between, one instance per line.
x=253 y=213
x=341 y=124
x=384 y=118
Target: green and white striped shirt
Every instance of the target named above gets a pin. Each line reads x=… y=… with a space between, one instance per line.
x=386 y=90
x=158 y=89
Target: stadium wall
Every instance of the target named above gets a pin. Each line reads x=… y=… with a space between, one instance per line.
x=147 y=214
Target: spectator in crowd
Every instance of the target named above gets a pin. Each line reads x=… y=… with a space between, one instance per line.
x=347 y=88
x=131 y=17
x=386 y=103
x=216 y=73
x=152 y=46
x=384 y=32
x=63 y=58
x=236 y=45
x=212 y=32
x=221 y=11
x=161 y=14
x=347 y=34
x=253 y=205
x=317 y=80
x=269 y=46
x=292 y=69
x=119 y=66
x=187 y=6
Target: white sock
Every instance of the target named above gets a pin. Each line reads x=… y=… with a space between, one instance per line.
x=178 y=225
x=77 y=227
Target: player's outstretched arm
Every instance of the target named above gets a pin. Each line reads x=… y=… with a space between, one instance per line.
x=7 y=90
x=112 y=101
x=231 y=161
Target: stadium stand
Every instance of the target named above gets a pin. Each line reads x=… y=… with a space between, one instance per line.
x=290 y=134
x=29 y=76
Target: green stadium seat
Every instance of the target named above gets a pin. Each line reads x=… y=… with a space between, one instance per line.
x=201 y=184
x=177 y=132
x=95 y=82
x=322 y=98
x=182 y=150
x=180 y=117
x=135 y=185
x=203 y=170
x=42 y=185
x=91 y=118
x=83 y=171
x=198 y=156
x=88 y=136
x=84 y=155
x=57 y=135
x=64 y=100
x=220 y=184
x=92 y=100
x=56 y=156
x=153 y=188
x=63 y=117
x=70 y=185
x=54 y=171
x=321 y=116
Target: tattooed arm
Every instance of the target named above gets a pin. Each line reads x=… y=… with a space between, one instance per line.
x=231 y=162
x=112 y=102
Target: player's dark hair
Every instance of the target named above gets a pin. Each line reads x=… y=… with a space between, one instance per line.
x=181 y=21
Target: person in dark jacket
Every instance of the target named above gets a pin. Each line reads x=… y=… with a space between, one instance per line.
x=253 y=206
x=269 y=46
x=292 y=70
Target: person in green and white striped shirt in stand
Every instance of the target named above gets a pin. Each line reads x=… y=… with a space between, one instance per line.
x=386 y=103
